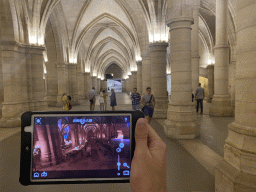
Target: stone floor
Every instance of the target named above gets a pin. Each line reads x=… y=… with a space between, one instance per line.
x=190 y=163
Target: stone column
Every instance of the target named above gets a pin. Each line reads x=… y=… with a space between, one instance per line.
x=35 y=73
x=158 y=78
x=129 y=84
x=195 y=47
x=124 y=85
x=44 y=146
x=102 y=84
x=94 y=83
x=237 y=172
x=232 y=78
x=73 y=136
x=52 y=84
x=181 y=120
x=139 y=76
x=221 y=102
x=210 y=70
x=15 y=84
x=81 y=87
x=105 y=85
x=62 y=72
x=1 y=84
x=88 y=84
x=98 y=85
x=73 y=89
x=134 y=79
x=146 y=73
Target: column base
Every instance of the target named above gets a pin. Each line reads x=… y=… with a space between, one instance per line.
x=160 y=111
x=228 y=178
x=75 y=100
x=11 y=114
x=10 y=122
x=51 y=100
x=182 y=122
x=221 y=106
x=82 y=102
x=38 y=105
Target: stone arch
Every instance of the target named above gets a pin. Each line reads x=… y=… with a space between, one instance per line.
x=98 y=19
x=105 y=55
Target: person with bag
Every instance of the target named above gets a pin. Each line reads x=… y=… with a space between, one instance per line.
x=148 y=100
x=65 y=100
x=113 y=99
x=92 y=99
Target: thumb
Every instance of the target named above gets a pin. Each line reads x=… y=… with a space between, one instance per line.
x=141 y=135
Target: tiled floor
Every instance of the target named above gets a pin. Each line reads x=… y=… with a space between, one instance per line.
x=190 y=163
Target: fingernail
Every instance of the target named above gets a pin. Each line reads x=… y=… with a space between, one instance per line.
x=141 y=123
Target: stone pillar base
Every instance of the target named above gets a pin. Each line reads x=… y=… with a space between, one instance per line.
x=182 y=122
x=209 y=100
x=82 y=102
x=59 y=102
x=227 y=178
x=160 y=111
x=38 y=106
x=221 y=106
x=10 y=122
x=51 y=100
x=75 y=100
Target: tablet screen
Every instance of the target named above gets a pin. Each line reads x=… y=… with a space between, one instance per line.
x=86 y=147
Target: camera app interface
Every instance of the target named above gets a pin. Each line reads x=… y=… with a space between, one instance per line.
x=81 y=147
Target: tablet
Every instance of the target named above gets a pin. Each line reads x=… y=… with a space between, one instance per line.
x=77 y=147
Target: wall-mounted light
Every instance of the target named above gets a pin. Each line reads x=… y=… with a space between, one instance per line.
x=94 y=75
x=41 y=41
x=32 y=39
x=87 y=70
x=138 y=58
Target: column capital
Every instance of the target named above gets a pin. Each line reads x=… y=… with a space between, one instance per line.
x=71 y=64
x=210 y=66
x=139 y=62
x=134 y=72
x=221 y=46
x=180 y=13
x=164 y=44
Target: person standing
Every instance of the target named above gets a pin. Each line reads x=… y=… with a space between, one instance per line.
x=92 y=98
x=199 y=97
x=148 y=100
x=105 y=99
x=113 y=99
x=135 y=99
x=65 y=100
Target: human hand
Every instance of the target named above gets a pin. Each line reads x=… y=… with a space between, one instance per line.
x=148 y=169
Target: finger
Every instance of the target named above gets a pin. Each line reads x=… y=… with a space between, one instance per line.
x=155 y=141
x=141 y=135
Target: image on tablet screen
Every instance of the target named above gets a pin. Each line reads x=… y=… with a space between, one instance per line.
x=70 y=147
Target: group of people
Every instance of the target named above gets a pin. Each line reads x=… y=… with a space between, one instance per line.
x=147 y=100
x=103 y=99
